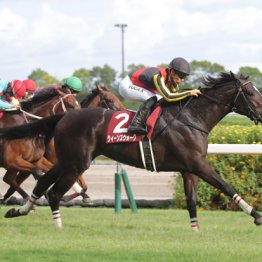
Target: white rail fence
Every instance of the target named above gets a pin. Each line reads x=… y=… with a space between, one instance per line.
x=235 y=148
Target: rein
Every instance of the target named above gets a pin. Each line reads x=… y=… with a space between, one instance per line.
x=61 y=100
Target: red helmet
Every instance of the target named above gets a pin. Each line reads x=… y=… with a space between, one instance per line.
x=18 y=89
x=30 y=85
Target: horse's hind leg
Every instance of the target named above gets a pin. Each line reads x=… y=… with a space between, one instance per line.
x=190 y=187
x=80 y=188
x=61 y=186
x=10 y=179
x=44 y=164
x=205 y=172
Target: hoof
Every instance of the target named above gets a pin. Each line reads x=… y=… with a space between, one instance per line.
x=87 y=200
x=258 y=221
x=12 y=213
x=66 y=198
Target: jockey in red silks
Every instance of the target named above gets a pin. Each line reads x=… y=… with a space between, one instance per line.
x=11 y=93
x=150 y=84
x=30 y=86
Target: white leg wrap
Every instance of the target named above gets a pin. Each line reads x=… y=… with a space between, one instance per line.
x=77 y=188
x=194 y=224
x=25 y=209
x=57 y=219
x=244 y=205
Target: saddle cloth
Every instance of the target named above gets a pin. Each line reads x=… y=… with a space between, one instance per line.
x=120 y=120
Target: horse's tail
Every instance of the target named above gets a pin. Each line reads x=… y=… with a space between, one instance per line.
x=43 y=127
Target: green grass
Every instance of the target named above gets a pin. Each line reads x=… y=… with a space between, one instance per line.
x=236 y=120
x=98 y=234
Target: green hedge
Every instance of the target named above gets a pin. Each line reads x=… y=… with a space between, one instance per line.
x=243 y=172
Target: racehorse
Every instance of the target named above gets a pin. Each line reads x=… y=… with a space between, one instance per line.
x=179 y=142
x=98 y=97
x=17 y=155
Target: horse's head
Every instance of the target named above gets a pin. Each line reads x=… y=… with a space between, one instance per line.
x=109 y=100
x=248 y=100
x=102 y=97
x=65 y=102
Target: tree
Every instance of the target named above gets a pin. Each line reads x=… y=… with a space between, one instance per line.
x=254 y=75
x=105 y=75
x=200 y=69
x=42 y=78
x=85 y=76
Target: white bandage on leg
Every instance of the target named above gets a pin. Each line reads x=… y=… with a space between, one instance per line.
x=244 y=205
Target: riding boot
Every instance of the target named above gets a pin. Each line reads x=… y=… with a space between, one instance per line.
x=138 y=124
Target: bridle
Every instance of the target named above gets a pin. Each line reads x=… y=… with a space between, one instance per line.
x=61 y=101
x=252 y=112
x=106 y=102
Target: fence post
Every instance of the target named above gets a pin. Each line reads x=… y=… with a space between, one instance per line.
x=129 y=191
x=119 y=176
x=118 y=204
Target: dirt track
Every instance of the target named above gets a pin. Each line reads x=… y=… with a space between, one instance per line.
x=100 y=179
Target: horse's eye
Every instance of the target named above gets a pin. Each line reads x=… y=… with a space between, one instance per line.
x=110 y=100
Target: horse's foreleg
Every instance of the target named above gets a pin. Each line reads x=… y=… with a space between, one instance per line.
x=61 y=186
x=43 y=183
x=44 y=164
x=190 y=187
x=10 y=179
x=20 y=178
x=211 y=177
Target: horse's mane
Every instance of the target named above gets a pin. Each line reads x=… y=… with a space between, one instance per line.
x=221 y=78
x=39 y=97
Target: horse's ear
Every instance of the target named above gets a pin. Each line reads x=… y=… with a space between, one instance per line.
x=99 y=89
x=105 y=88
x=232 y=75
x=60 y=92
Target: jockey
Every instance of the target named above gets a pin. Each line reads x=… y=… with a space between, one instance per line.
x=30 y=86
x=11 y=93
x=150 y=84
x=72 y=84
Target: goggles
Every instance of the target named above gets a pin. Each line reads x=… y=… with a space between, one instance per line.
x=179 y=74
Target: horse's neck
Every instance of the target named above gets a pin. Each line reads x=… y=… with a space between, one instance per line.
x=95 y=102
x=201 y=112
x=45 y=109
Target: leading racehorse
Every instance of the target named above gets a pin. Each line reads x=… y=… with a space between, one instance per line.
x=179 y=142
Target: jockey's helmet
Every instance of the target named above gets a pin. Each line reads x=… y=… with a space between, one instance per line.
x=30 y=86
x=181 y=66
x=74 y=83
x=18 y=88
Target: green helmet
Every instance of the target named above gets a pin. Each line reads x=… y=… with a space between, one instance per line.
x=74 y=83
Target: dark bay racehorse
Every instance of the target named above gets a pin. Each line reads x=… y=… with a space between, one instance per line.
x=98 y=97
x=18 y=155
x=179 y=142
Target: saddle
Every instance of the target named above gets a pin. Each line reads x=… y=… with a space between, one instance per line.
x=117 y=133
